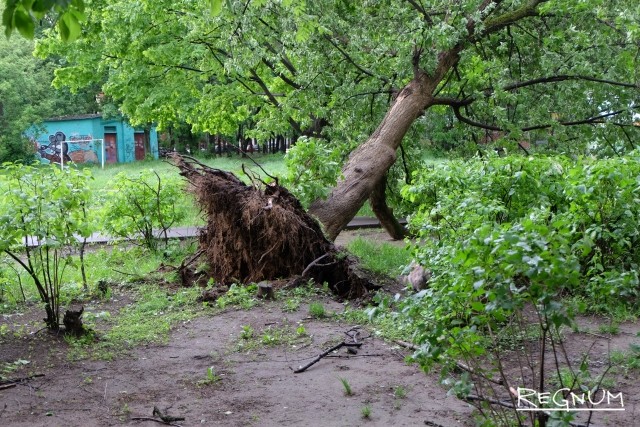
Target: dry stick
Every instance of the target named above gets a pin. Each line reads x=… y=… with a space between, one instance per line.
x=154 y=419
x=332 y=349
x=194 y=257
x=6 y=386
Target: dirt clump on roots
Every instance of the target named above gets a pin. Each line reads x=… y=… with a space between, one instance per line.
x=261 y=232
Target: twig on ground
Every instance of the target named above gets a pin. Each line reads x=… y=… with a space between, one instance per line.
x=164 y=417
x=325 y=353
x=406 y=345
x=161 y=418
x=6 y=386
x=158 y=420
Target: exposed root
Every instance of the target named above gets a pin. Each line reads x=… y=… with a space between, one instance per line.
x=258 y=232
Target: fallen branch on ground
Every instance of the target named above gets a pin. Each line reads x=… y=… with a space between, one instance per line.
x=158 y=420
x=161 y=418
x=331 y=350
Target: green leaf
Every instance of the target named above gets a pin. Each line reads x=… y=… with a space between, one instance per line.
x=216 y=7
x=42 y=6
x=69 y=26
x=23 y=23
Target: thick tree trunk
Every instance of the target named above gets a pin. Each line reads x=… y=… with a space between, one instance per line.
x=370 y=162
x=383 y=212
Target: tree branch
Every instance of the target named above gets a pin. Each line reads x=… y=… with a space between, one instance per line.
x=276 y=73
x=496 y=24
x=352 y=62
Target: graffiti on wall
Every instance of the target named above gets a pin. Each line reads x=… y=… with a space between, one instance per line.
x=78 y=149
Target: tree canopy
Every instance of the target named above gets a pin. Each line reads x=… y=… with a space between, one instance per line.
x=557 y=71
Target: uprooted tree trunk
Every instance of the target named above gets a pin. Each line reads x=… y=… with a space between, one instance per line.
x=369 y=163
x=262 y=232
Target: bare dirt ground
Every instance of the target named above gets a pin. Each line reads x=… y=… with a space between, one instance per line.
x=253 y=385
x=256 y=387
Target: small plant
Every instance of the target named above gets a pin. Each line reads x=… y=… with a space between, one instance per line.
x=400 y=392
x=346 y=386
x=366 y=411
x=211 y=377
x=144 y=206
x=125 y=411
x=611 y=328
x=38 y=206
x=300 y=330
x=316 y=309
x=239 y=296
x=8 y=368
x=247 y=332
x=271 y=337
x=291 y=305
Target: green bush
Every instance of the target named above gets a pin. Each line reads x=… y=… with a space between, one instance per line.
x=308 y=178
x=144 y=207
x=508 y=240
x=50 y=205
x=596 y=200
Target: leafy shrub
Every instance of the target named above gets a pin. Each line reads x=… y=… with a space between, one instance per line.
x=596 y=200
x=144 y=207
x=50 y=205
x=507 y=239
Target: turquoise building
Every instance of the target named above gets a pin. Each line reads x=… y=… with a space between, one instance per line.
x=89 y=138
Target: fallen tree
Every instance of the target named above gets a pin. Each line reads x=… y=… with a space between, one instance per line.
x=261 y=232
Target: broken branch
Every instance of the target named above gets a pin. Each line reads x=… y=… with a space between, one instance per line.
x=331 y=350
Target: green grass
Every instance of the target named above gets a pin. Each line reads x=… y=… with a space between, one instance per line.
x=382 y=258
x=273 y=164
x=366 y=411
x=148 y=320
x=101 y=184
x=273 y=336
x=400 y=392
x=115 y=265
x=317 y=310
x=346 y=386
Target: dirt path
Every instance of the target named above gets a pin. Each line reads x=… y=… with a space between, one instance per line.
x=256 y=385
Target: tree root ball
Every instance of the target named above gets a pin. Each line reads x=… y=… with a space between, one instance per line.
x=261 y=232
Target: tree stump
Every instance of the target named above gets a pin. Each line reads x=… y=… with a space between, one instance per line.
x=265 y=290
x=73 y=322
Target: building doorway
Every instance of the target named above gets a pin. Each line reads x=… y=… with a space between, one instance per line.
x=111 y=148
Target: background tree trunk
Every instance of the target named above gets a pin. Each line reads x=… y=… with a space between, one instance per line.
x=383 y=212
